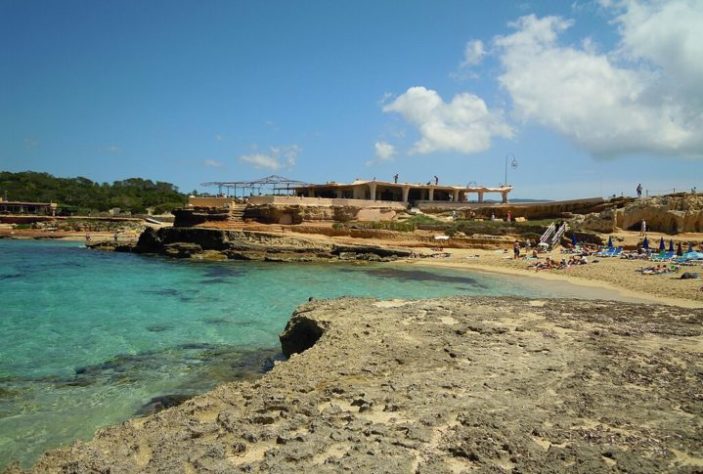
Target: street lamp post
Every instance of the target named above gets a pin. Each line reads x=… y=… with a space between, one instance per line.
x=513 y=165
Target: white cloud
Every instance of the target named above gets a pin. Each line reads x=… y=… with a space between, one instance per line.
x=670 y=36
x=385 y=98
x=279 y=157
x=213 y=163
x=473 y=53
x=645 y=96
x=464 y=125
x=384 y=151
x=259 y=160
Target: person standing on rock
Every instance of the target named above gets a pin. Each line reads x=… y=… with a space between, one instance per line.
x=639 y=190
x=395 y=178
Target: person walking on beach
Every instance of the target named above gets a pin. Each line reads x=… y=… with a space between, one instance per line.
x=516 y=250
x=643 y=227
x=639 y=190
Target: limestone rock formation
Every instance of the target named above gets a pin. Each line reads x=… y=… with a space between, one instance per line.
x=439 y=386
x=215 y=244
x=604 y=222
x=670 y=214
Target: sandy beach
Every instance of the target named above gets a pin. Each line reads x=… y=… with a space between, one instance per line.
x=610 y=273
x=613 y=273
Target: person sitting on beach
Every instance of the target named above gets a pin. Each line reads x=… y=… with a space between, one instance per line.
x=548 y=264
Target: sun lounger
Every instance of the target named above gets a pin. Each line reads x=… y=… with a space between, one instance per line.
x=690 y=257
x=664 y=256
x=605 y=252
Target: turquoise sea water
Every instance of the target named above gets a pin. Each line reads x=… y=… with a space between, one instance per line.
x=88 y=338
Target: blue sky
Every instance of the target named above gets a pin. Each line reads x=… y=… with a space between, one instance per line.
x=590 y=97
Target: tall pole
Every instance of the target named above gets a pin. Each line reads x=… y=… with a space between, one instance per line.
x=513 y=163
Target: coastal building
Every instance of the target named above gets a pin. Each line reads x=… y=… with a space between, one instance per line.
x=400 y=192
x=28 y=208
x=283 y=201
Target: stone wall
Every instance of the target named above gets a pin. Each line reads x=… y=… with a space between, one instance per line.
x=538 y=210
x=325 y=202
x=210 y=201
x=295 y=213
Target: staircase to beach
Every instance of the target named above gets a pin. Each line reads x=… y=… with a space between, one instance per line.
x=552 y=236
x=236 y=212
x=558 y=234
x=548 y=233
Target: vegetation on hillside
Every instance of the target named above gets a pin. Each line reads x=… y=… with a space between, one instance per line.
x=524 y=230
x=81 y=195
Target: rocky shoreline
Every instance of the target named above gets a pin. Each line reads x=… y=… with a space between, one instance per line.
x=444 y=385
x=216 y=244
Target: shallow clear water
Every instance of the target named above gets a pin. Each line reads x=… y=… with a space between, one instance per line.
x=87 y=338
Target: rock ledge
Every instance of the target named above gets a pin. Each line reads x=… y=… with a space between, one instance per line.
x=440 y=386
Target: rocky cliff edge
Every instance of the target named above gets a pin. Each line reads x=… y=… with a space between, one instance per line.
x=440 y=386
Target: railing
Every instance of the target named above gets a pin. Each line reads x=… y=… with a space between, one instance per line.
x=548 y=233
x=559 y=233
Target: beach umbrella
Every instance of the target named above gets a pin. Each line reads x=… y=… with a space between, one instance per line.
x=662 y=245
x=671 y=245
x=610 y=242
x=645 y=243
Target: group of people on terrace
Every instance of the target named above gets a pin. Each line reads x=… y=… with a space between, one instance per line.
x=435 y=179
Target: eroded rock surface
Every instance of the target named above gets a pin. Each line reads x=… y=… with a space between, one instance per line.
x=441 y=386
x=200 y=243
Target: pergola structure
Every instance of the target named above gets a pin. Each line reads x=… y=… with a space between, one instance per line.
x=270 y=185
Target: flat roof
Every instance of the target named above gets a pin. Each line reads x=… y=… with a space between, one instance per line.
x=26 y=203
x=359 y=182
